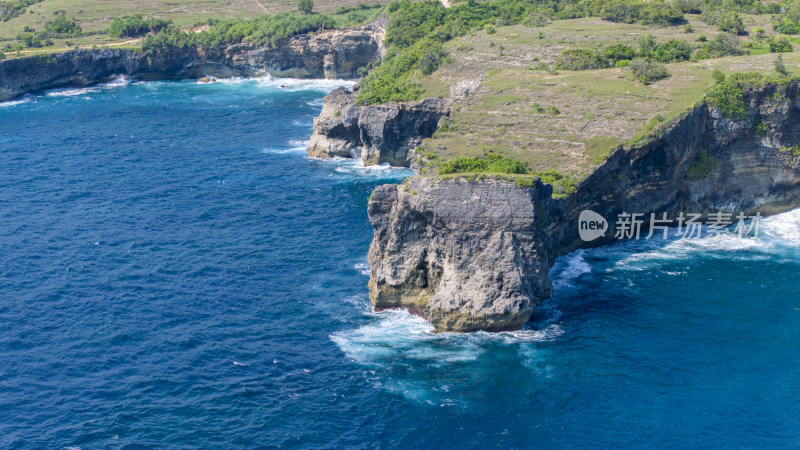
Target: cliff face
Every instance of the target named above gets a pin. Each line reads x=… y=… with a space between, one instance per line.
x=374 y=133
x=326 y=54
x=466 y=255
x=476 y=255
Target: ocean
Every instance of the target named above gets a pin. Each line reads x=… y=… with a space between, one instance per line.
x=175 y=272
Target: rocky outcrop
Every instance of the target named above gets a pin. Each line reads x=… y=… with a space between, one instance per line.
x=466 y=255
x=474 y=255
x=325 y=54
x=377 y=134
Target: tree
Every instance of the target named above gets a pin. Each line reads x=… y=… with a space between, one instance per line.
x=305 y=6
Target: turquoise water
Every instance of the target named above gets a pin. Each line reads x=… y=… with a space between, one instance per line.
x=175 y=272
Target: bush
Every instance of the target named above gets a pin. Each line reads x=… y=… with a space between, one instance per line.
x=703 y=167
x=2 y=56
x=579 y=59
x=672 y=51
x=491 y=163
x=62 y=25
x=648 y=71
x=779 y=45
x=619 y=52
x=729 y=98
x=135 y=26
x=718 y=76
x=305 y=6
x=724 y=44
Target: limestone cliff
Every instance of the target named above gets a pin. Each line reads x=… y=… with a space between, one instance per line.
x=475 y=254
x=325 y=54
x=374 y=133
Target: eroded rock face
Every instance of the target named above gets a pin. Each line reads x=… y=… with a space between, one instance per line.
x=377 y=134
x=326 y=54
x=476 y=254
x=329 y=54
x=466 y=255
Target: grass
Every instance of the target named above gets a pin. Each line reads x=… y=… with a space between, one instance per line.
x=598 y=109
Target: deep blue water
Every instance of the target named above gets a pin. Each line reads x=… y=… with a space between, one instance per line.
x=175 y=272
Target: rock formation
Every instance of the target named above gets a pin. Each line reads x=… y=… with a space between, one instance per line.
x=474 y=255
x=377 y=134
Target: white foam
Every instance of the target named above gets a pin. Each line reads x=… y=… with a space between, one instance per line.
x=119 y=81
x=14 y=102
x=70 y=92
x=777 y=234
x=293 y=84
x=362 y=268
x=354 y=166
x=569 y=268
x=397 y=334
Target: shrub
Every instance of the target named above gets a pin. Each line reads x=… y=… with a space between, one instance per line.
x=490 y=163
x=724 y=44
x=718 y=76
x=619 y=52
x=2 y=56
x=305 y=6
x=673 y=50
x=703 y=167
x=579 y=59
x=62 y=25
x=729 y=98
x=779 y=45
x=688 y=28
x=648 y=71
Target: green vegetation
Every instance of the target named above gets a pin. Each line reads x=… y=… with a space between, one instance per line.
x=11 y=9
x=780 y=67
x=779 y=45
x=703 y=167
x=648 y=71
x=729 y=98
x=263 y=30
x=490 y=163
x=305 y=6
x=136 y=26
x=580 y=59
x=723 y=45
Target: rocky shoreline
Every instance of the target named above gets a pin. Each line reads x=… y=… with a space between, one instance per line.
x=332 y=54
